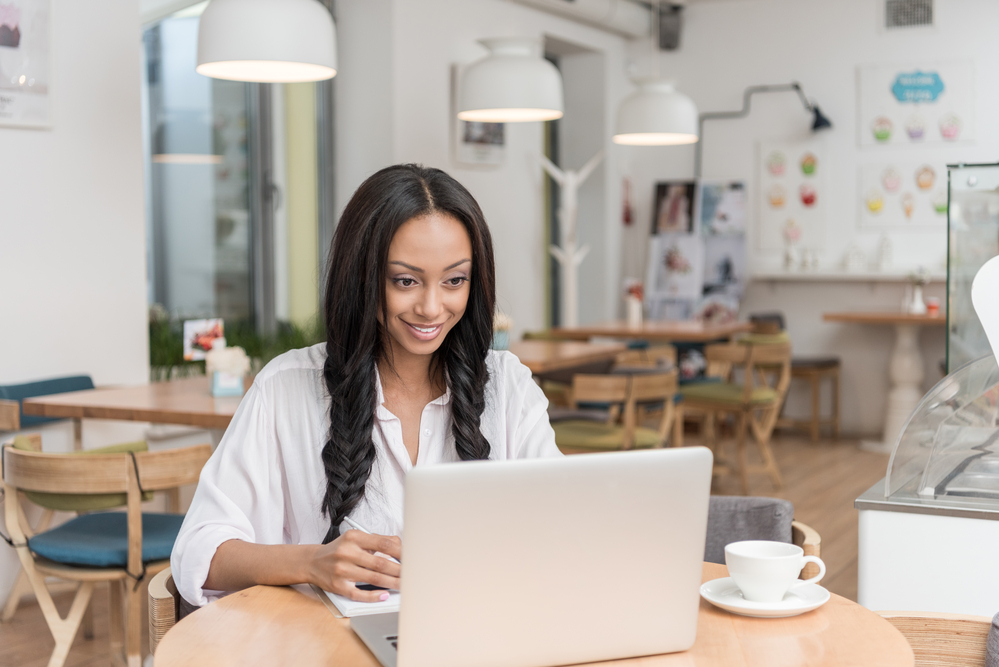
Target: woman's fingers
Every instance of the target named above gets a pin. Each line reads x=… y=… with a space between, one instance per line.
x=388 y=545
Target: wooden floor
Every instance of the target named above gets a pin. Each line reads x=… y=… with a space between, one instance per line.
x=821 y=479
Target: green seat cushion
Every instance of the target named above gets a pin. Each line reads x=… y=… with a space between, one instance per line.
x=765 y=339
x=101 y=539
x=83 y=502
x=580 y=434
x=726 y=392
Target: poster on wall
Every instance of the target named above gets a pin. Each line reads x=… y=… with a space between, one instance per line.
x=903 y=193
x=793 y=193
x=25 y=47
x=721 y=207
x=673 y=211
x=676 y=267
x=916 y=104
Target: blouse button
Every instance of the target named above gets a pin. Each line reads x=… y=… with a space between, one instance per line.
x=426 y=432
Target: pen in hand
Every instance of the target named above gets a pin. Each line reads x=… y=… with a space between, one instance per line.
x=356 y=526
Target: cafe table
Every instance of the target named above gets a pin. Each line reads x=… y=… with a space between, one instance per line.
x=187 y=401
x=267 y=625
x=905 y=368
x=691 y=331
x=546 y=356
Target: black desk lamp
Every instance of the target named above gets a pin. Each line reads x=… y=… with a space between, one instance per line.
x=819 y=121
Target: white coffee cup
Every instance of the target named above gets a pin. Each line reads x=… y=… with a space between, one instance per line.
x=764 y=571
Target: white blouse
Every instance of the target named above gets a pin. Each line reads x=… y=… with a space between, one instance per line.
x=265 y=482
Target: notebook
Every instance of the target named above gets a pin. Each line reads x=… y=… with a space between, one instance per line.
x=348 y=607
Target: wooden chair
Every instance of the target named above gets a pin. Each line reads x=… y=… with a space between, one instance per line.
x=100 y=546
x=621 y=394
x=943 y=640
x=815 y=370
x=164 y=607
x=755 y=402
x=657 y=389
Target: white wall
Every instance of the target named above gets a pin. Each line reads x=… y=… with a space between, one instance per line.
x=72 y=223
x=410 y=122
x=729 y=45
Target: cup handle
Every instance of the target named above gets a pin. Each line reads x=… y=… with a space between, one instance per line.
x=822 y=570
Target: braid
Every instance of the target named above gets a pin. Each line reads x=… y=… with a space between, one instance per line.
x=350 y=452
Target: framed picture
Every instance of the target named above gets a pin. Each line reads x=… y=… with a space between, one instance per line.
x=474 y=144
x=673 y=211
x=25 y=67
x=199 y=336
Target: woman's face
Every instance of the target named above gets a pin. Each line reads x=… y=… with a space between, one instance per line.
x=427 y=282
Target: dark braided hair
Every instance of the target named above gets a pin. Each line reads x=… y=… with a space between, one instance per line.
x=355 y=341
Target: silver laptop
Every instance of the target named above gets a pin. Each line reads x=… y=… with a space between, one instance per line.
x=548 y=561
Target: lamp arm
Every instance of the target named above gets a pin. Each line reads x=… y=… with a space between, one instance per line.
x=742 y=113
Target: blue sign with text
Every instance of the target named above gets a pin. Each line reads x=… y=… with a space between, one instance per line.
x=917 y=87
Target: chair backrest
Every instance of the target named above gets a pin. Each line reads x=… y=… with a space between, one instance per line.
x=599 y=389
x=943 y=640
x=164 y=607
x=98 y=474
x=736 y=518
x=649 y=387
x=655 y=356
x=758 y=361
x=19 y=392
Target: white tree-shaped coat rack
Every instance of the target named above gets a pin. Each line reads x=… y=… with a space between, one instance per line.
x=568 y=254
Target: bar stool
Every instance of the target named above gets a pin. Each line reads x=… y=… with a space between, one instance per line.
x=815 y=369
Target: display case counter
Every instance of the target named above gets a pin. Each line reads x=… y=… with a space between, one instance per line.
x=929 y=531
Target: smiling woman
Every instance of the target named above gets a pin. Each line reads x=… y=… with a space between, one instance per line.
x=325 y=436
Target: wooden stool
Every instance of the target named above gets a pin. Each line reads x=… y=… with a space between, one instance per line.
x=814 y=369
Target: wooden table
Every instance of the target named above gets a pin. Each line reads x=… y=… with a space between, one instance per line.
x=187 y=401
x=545 y=356
x=281 y=626
x=905 y=370
x=659 y=332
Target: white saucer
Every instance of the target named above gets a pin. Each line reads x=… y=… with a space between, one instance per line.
x=723 y=593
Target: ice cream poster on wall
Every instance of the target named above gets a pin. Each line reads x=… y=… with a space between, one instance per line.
x=917 y=104
x=24 y=62
x=904 y=193
x=793 y=193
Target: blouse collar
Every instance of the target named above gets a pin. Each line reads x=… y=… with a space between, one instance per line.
x=382 y=413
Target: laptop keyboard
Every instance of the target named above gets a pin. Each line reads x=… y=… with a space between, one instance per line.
x=394 y=641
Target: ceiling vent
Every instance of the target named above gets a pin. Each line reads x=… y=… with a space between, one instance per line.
x=908 y=13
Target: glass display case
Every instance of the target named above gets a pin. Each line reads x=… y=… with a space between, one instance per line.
x=972 y=239
x=948 y=453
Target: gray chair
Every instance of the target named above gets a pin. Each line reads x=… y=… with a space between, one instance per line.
x=736 y=518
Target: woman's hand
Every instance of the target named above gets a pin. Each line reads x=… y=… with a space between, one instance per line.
x=350 y=558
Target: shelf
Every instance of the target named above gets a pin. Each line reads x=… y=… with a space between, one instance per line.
x=841 y=277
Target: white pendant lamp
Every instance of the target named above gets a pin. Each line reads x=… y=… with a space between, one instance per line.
x=270 y=41
x=656 y=115
x=513 y=84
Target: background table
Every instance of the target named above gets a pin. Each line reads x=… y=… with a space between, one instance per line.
x=545 y=356
x=282 y=626
x=905 y=370
x=188 y=402
x=660 y=332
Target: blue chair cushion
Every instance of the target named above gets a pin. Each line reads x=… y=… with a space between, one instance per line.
x=101 y=539
x=19 y=392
